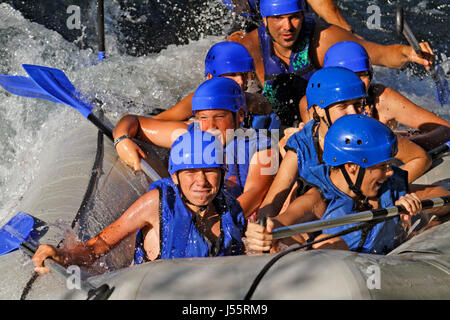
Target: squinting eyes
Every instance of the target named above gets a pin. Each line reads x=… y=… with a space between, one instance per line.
x=385 y=167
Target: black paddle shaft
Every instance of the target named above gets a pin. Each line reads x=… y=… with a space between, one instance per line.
x=365 y=216
x=101 y=25
x=403 y=28
x=99 y=124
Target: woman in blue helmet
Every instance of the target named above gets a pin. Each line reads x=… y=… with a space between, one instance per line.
x=185 y=215
x=357 y=176
x=219 y=106
x=289 y=46
x=230 y=60
x=331 y=93
x=383 y=103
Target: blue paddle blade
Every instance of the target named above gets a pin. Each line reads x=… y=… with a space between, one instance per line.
x=55 y=83
x=16 y=231
x=24 y=86
x=441 y=85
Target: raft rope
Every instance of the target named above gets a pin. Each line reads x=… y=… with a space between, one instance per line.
x=426 y=204
x=308 y=245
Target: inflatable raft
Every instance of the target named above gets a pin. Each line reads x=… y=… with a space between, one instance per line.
x=83 y=187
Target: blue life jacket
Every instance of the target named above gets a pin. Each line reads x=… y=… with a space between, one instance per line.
x=179 y=236
x=269 y=121
x=284 y=87
x=383 y=236
x=305 y=144
x=239 y=153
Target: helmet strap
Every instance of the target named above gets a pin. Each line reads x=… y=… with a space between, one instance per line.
x=186 y=200
x=355 y=187
x=328 y=121
x=268 y=31
x=235 y=115
x=316 y=117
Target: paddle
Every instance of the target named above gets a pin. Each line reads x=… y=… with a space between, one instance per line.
x=25 y=87
x=14 y=232
x=53 y=85
x=438 y=151
x=101 y=29
x=14 y=235
x=369 y=215
x=437 y=73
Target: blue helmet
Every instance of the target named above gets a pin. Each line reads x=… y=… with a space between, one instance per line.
x=348 y=54
x=196 y=149
x=218 y=93
x=333 y=84
x=358 y=139
x=228 y=57
x=279 y=7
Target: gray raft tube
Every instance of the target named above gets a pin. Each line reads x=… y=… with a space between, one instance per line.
x=66 y=194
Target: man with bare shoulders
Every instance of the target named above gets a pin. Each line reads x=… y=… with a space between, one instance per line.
x=290 y=46
x=326 y=9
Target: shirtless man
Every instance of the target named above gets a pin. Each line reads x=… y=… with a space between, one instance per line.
x=290 y=46
x=326 y=9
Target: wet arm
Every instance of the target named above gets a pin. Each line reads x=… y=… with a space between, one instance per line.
x=391 y=56
x=415 y=159
x=159 y=132
x=181 y=111
x=281 y=186
x=144 y=212
x=430 y=192
x=307 y=207
x=329 y=11
x=260 y=177
x=394 y=106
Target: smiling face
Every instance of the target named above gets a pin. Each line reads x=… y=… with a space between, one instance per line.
x=218 y=121
x=200 y=186
x=285 y=28
x=374 y=177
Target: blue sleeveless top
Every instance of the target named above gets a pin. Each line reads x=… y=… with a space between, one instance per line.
x=179 y=236
x=239 y=153
x=381 y=238
x=304 y=144
x=284 y=87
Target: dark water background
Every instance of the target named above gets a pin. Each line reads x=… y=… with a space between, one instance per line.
x=148 y=26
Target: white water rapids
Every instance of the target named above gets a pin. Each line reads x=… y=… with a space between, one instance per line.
x=124 y=83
